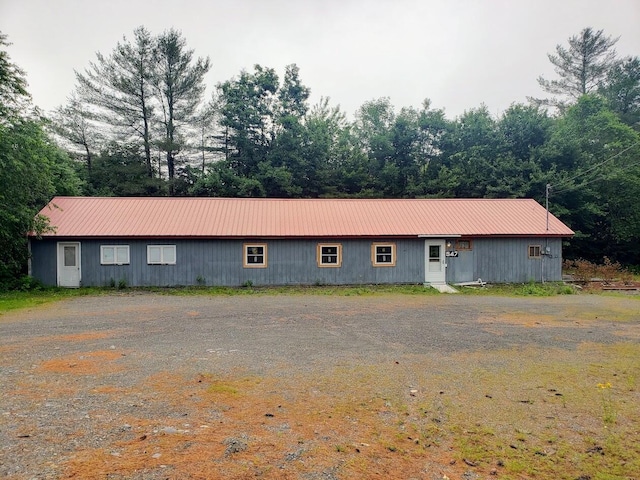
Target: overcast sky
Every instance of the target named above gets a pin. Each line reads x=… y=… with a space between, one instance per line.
x=458 y=53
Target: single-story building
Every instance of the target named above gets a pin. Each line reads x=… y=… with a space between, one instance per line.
x=247 y=241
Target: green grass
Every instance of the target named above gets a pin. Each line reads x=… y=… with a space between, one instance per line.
x=25 y=299
x=340 y=290
x=521 y=289
x=15 y=300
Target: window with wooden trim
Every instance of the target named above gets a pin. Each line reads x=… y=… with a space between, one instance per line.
x=383 y=254
x=114 y=254
x=255 y=255
x=161 y=254
x=464 y=244
x=535 y=251
x=329 y=255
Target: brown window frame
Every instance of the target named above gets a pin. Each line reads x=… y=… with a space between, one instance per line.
x=374 y=254
x=246 y=254
x=534 y=247
x=320 y=255
x=468 y=240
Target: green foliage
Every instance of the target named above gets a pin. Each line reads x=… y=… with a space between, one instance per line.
x=33 y=295
x=138 y=115
x=544 y=289
x=32 y=171
x=597 y=186
x=120 y=171
x=622 y=90
x=13 y=85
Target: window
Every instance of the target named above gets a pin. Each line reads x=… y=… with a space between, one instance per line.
x=161 y=254
x=114 y=254
x=69 y=255
x=329 y=255
x=463 y=244
x=255 y=255
x=534 y=251
x=383 y=254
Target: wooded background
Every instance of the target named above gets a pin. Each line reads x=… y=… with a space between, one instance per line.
x=138 y=124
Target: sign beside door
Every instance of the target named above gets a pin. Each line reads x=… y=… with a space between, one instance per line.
x=69 y=264
x=435 y=266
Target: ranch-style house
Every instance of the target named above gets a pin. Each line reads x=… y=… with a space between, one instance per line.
x=98 y=241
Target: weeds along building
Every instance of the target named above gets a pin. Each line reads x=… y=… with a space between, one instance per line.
x=239 y=241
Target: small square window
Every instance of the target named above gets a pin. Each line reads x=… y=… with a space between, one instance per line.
x=114 y=254
x=329 y=255
x=255 y=255
x=463 y=244
x=534 y=251
x=161 y=254
x=383 y=254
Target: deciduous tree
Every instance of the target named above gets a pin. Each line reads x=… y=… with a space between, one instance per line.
x=622 y=90
x=13 y=85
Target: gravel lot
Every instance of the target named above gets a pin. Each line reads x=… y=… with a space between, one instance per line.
x=59 y=360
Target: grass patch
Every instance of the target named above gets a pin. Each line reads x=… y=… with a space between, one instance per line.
x=16 y=300
x=219 y=387
x=13 y=300
x=531 y=289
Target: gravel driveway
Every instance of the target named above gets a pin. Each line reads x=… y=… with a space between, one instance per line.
x=138 y=335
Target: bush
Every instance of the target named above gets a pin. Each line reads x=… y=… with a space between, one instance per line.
x=609 y=270
x=24 y=283
x=584 y=271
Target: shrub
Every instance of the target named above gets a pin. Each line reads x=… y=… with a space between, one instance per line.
x=609 y=270
x=583 y=270
x=24 y=283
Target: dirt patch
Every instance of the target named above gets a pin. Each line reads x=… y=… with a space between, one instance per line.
x=85 y=363
x=78 y=337
x=303 y=387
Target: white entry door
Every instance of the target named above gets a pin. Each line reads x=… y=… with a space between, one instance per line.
x=69 y=264
x=435 y=266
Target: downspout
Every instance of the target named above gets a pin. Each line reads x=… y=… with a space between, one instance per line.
x=546 y=240
x=29 y=271
x=546 y=253
x=543 y=256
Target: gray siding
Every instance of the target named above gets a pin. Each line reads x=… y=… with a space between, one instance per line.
x=220 y=262
x=43 y=261
x=506 y=260
x=292 y=262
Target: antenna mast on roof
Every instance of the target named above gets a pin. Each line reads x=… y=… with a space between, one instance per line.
x=547 y=203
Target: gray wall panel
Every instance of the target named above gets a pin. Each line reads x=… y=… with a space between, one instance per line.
x=43 y=261
x=506 y=260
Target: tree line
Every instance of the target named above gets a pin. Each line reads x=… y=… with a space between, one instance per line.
x=138 y=123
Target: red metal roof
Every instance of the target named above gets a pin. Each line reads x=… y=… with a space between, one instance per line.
x=268 y=218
